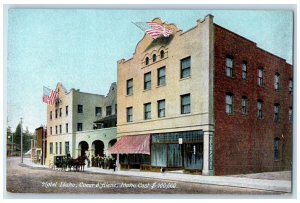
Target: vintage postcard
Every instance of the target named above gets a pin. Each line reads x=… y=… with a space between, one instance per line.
x=108 y=101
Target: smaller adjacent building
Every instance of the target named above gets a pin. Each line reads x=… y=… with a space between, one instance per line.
x=38 y=145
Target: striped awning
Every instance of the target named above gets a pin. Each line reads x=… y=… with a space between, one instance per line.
x=134 y=144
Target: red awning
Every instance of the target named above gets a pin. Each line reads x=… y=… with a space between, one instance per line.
x=137 y=144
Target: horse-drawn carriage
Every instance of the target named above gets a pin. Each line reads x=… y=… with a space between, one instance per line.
x=66 y=163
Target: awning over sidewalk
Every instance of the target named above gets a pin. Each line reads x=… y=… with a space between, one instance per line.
x=135 y=144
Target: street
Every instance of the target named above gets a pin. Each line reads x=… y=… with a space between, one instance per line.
x=23 y=179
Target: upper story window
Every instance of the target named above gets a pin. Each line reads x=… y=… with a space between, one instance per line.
x=129 y=114
x=229 y=66
x=147 y=60
x=290 y=114
x=260 y=77
x=60 y=129
x=50 y=130
x=116 y=109
x=244 y=70
x=56 y=132
x=147 y=81
x=244 y=105
x=147 y=111
x=229 y=103
x=67 y=127
x=259 y=109
x=185 y=103
x=154 y=57
x=161 y=76
x=56 y=113
x=185 y=67
x=50 y=115
x=161 y=108
x=98 y=111
x=59 y=112
x=276 y=112
x=162 y=54
x=108 y=111
x=67 y=110
x=129 y=89
x=79 y=108
x=51 y=147
x=290 y=86
x=277 y=81
x=79 y=126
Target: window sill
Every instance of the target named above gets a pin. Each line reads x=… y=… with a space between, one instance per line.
x=128 y=95
x=147 y=90
x=188 y=77
x=158 y=86
x=229 y=114
x=260 y=85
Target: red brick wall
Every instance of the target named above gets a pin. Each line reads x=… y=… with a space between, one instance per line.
x=243 y=143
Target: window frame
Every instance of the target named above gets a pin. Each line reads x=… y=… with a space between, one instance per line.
x=183 y=69
x=96 y=111
x=129 y=117
x=244 y=105
x=162 y=54
x=277 y=112
x=229 y=70
x=244 y=70
x=160 y=110
x=108 y=110
x=147 y=81
x=67 y=147
x=79 y=108
x=276 y=149
x=260 y=106
x=154 y=58
x=51 y=147
x=67 y=128
x=182 y=105
x=129 y=89
x=81 y=126
x=147 y=111
x=161 y=78
x=260 y=78
x=277 y=81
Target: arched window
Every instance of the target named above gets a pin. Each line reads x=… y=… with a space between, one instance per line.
x=154 y=57
x=147 y=60
x=162 y=54
x=276 y=149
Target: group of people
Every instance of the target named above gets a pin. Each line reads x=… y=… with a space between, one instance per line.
x=104 y=162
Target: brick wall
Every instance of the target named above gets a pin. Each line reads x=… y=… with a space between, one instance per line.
x=244 y=143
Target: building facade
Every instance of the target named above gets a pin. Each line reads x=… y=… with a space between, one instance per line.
x=39 y=145
x=74 y=123
x=196 y=96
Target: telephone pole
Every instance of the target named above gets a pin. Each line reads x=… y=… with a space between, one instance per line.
x=21 y=142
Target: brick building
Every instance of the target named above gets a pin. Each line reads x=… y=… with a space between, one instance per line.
x=207 y=100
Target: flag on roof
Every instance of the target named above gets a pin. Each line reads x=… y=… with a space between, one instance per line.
x=49 y=96
x=153 y=29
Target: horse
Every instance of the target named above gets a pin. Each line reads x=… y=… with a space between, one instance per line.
x=77 y=164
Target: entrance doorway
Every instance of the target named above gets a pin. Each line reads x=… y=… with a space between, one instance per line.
x=98 y=147
x=83 y=146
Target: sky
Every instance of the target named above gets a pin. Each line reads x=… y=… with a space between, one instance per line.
x=80 y=48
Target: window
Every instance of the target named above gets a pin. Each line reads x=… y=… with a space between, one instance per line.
x=79 y=126
x=56 y=130
x=129 y=114
x=98 y=111
x=56 y=148
x=147 y=60
x=51 y=148
x=244 y=105
x=260 y=77
x=259 y=109
x=147 y=111
x=161 y=76
x=161 y=108
x=185 y=104
x=67 y=148
x=276 y=112
x=290 y=86
x=67 y=127
x=108 y=110
x=116 y=109
x=277 y=81
x=147 y=81
x=162 y=54
x=60 y=129
x=229 y=66
x=60 y=148
x=244 y=71
x=229 y=103
x=185 y=67
x=154 y=57
x=130 y=86
x=67 y=110
x=50 y=115
x=290 y=114
x=56 y=113
x=59 y=112
x=276 y=149
x=79 y=108
x=50 y=130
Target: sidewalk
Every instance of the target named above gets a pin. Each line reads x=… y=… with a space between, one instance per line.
x=255 y=181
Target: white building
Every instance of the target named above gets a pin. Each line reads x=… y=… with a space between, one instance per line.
x=80 y=122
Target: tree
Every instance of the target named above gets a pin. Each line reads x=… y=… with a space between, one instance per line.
x=27 y=136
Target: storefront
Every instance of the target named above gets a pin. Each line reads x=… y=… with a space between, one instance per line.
x=178 y=150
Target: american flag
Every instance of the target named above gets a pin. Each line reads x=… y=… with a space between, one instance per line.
x=153 y=29
x=49 y=96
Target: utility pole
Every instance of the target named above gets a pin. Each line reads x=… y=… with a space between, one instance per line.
x=21 y=142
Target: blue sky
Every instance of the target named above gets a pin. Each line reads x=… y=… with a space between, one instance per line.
x=80 y=48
